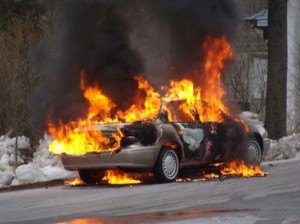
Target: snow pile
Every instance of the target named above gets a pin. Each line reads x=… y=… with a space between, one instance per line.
x=7 y=157
x=43 y=167
x=284 y=148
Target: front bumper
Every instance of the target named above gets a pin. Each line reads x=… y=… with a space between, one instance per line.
x=133 y=156
x=267 y=143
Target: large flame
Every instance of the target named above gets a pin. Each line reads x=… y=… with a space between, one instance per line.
x=204 y=98
x=218 y=50
x=80 y=137
x=200 y=99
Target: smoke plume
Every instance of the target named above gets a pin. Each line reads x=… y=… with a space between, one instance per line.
x=190 y=21
x=93 y=36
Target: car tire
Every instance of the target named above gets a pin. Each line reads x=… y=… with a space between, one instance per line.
x=91 y=177
x=253 y=155
x=167 y=166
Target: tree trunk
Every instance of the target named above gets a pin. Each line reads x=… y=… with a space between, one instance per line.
x=277 y=70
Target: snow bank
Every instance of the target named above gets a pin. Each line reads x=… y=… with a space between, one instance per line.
x=43 y=167
x=7 y=157
x=284 y=148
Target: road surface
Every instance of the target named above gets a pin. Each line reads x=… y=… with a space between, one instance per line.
x=271 y=199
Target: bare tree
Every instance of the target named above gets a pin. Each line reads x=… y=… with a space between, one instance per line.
x=238 y=81
x=259 y=88
x=17 y=77
x=247 y=82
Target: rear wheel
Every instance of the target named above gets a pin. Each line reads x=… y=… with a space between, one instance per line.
x=167 y=166
x=91 y=177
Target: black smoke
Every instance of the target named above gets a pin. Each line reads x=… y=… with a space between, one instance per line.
x=93 y=36
x=190 y=21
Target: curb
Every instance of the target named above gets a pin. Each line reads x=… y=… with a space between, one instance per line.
x=35 y=185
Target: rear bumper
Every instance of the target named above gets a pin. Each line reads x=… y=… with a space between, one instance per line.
x=134 y=156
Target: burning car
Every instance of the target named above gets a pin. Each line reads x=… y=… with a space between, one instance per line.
x=165 y=147
x=186 y=124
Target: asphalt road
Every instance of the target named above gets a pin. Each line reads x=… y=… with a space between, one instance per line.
x=271 y=199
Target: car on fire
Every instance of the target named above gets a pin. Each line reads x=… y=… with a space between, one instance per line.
x=165 y=147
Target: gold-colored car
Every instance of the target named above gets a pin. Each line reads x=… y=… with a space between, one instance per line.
x=164 y=148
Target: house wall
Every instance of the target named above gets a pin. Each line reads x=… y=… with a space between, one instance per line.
x=257 y=83
x=293 y=85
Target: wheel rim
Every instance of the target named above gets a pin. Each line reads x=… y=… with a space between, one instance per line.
x=170 y=165
x=254 y=152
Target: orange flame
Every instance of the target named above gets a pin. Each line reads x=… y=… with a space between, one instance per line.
x=218 y=50
x=113 y=177
x=119 y=178
x=234 y=168
x=188 y=97
x=193 y=103
x=201 y=99
x=211 y=175
x=80 y=137
x=146 y=108
x=239 y=168
x=204 y=99
x=77 y=181
x=99 y=104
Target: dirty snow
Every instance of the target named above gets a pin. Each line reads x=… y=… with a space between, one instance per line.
x=43 y=167
x=284 y=148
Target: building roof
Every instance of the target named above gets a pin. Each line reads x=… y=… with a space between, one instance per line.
x=259 y=19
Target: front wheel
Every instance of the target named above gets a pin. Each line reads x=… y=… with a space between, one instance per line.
x=91 y=177
x=167 y=166
x=253 y=151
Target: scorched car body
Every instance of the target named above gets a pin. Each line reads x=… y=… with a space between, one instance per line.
x=165 y=147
